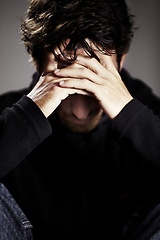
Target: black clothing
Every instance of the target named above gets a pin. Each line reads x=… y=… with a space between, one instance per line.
x=75 y=184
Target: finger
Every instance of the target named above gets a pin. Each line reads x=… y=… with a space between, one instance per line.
x=106 y=59
x=48 y=77
x=50 y=81
x=80 y=84
x=80 y=73
x=90 y=63
x=78 y=91
x=64 y=92
x=94 y=66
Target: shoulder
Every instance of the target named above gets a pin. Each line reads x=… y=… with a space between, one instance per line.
x=141 y=91
x=9 y=98
x=137 y=87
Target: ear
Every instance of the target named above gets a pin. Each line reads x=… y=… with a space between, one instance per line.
x=122 y=61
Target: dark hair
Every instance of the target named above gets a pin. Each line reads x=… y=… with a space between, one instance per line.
x=107 y=23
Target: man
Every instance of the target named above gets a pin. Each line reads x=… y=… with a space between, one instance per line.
x=91 y=168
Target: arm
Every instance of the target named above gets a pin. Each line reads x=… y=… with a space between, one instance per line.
x=137 y=128
x=22 y=128
x=134 y=125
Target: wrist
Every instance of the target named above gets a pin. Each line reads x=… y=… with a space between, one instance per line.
x=116 y=109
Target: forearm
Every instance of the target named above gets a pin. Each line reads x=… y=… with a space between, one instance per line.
x=136 y=128
x=22 y=128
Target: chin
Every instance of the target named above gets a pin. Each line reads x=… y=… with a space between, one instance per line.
x=81 y=127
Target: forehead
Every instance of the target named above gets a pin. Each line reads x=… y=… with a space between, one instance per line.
x=82 y=52
x=87 y=49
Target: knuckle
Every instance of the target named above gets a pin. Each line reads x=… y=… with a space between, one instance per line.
x=74 y=64
x=49 y=79
x=92 y=60
x=83 y=70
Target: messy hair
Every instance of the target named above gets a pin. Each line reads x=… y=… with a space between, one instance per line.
x=49 y=23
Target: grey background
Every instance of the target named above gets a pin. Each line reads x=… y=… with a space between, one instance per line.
x=142 y=60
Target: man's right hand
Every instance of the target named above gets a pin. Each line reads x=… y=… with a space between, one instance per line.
x=47 y=94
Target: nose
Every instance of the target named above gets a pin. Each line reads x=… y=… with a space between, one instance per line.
x=80 y=107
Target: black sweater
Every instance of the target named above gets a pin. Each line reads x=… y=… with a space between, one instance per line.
x=75 y=184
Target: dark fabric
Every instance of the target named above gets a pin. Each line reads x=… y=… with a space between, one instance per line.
x=83 y=184
x=144 y=226
x=18 y=125
x=13 y=223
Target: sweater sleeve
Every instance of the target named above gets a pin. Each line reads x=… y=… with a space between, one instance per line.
x=22 y=128
x=137 y=129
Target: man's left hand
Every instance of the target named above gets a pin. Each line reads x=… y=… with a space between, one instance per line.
x=100 y=78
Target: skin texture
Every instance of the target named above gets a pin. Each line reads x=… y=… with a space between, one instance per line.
x=81 y=90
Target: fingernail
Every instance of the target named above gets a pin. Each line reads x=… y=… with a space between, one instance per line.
x=61 y=83
x=57 y=71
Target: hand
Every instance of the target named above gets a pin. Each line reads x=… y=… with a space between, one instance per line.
x=47 y=94
x=99 y=78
